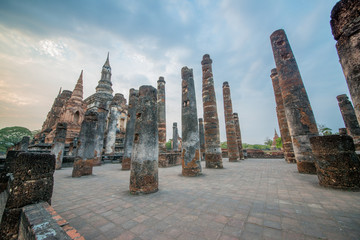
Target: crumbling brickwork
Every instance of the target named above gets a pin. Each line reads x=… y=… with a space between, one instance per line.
x=282 y=121
x=299 y=114
x=161 y=110
x=238 y=135
x=202 y=139
x=144 y=158
x=345 y=27
x=350 y=120
x=58 y=146
x=232 y=146
x=191 y=165
x=213 y=156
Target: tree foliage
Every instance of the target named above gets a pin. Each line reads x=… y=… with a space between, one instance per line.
x=223 y=145
x=9 y=136
x=279 y=143
x=268 y=142
x=323 y=130
x=168 y=145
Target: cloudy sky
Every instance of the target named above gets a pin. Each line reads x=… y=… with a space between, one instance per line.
x=44 y=45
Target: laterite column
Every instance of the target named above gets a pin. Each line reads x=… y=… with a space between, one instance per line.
x=202 y=139
x=238 y=135
x=161 y=113
x=58 y=146
x=175 y=137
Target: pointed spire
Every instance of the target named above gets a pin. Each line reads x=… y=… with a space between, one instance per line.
x=107 y=63
x=105 y=81
x=78 y=90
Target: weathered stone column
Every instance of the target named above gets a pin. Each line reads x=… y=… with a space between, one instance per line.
x=161 y=108
x=337 y=164
x=299 y=115
x=85 y=154
x=145 y=154
x=130 y=128
x=202 y=139
x=100 y=133
x=175 y=137
x=191 y=165
x=238 y=135
x=25 y=188
x=116 y=106
x=232 y=146
x=349 y=117
x=59 y=144
x=282 y=121
x=345 y=27
x=213 y=156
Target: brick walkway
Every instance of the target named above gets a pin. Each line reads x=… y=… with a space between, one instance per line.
x=254 y=199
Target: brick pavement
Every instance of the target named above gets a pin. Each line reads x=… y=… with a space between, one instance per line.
x=252 y=199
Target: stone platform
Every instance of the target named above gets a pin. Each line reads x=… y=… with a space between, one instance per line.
x=251 y=199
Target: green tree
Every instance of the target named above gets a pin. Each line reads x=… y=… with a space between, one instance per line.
x=168 y=145
x=323 y=130
x=268 y=142
x=279 y=143
x=223 y=145
x=9 y=136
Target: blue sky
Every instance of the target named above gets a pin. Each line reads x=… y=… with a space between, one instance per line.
x=44 y=45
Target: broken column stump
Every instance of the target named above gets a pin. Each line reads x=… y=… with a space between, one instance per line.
x=191 y=165
x=161 y=108
x=83 y=163
x=175 y=146
x=345 y=27
x=58 y=146
x=350 y=120
x=213 y=156
x=282 y=121
x=299 y=114
x=238 y=135
x=144 y=157
x=202 y=139
x=232 y=146
x=102 y=113
x=130 y=129
x=337 y=164
x=31 y=182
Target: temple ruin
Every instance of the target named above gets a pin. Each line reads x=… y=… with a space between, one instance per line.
x=213 y=156
x=238 y=135
x=191 y=165
x=232 y=146
x=299 y=115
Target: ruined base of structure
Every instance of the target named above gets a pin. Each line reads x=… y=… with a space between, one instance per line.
x=126 y=164
x=96 y=162
x=193 y=168
x=213 y=160
x=290 y=158
x=202 y=155
x=144 y=183
x=191 y=172
x=306 y=167
x=169 y=159
x=82 y=167
x=337 y=164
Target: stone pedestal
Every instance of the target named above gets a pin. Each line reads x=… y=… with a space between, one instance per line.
x=281 y=116
x=31 y=182
x=130 y=129
x=345 y=27
x=232 y=146
x=58 y=146
x=299 y=115
x=238 y=135
x=349 y=117
x=191 y=165
x=337 y=164
x=213 y=156
x=86 y=152
x=145 y=154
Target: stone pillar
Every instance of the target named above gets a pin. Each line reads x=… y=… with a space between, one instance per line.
x=25 y=188
x=130 y=129
x=213 y=156
x=145 y=154
x=351 y=123
x=345 y=27
x=59 y=144
x=161 y=108
x=85 y=154
x=337 y=164
x=100 y=133
x=116 y=106
x=238 y=135
x=202 y=139
x=282 y=121
x=191 y=165
x=299 y=115
x=232 y=146
x=175 y=137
